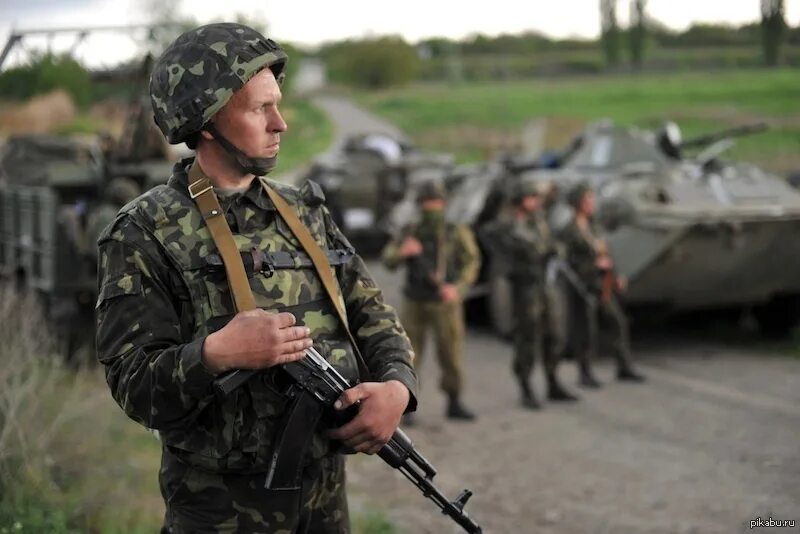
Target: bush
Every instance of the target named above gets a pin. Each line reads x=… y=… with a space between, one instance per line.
x=373 y=63
x=44 y=74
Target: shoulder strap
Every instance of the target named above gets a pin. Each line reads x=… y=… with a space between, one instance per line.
x=321 y=264
x=202 y=192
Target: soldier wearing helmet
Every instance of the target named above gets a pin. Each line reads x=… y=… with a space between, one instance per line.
x=168 y=324
x=442 y=261
x=588 y=256
x=527 y=244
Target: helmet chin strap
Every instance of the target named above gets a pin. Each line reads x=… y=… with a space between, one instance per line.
x=248 y=165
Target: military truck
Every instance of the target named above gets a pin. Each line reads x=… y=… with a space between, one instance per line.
x=49 y=188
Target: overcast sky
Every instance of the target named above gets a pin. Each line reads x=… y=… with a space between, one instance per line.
x=312 y=22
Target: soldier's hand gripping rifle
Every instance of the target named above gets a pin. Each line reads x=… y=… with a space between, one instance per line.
x=316 y=387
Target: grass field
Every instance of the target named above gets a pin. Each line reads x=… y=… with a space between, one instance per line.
x=472 y=119
x=310 y=132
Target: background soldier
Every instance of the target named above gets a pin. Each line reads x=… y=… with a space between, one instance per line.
x=588 y=256
x=442 y=261
x=527 y=244
x=119 y=192
x=167 y=324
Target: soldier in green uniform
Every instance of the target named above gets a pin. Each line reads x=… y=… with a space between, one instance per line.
x=588 y=257
x=442 y=261
x=168 y=327
x=527 y=244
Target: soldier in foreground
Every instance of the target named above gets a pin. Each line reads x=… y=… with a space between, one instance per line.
x=442 y=261
x=527 y=244
x=168 y=325
x=587 y=255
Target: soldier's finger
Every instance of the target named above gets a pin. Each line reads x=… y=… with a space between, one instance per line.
x=348 y=432
x=298 y=345
x=295 y=332
x=292 y=357
x=360 y=442
x=350 y=397
x=286 y=319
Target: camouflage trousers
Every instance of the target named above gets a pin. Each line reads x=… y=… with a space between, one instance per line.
x=533 y=330
x=446 y=320
x=200 y=502
x=586 y=319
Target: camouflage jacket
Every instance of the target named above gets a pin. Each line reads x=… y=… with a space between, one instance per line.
x=526 y=244
x=460 y=259
x=160 y=297
x=582 y=251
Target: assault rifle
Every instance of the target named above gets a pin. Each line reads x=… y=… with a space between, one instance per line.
x=317 y=384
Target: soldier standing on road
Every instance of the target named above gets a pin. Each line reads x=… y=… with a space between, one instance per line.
x=588 y=256
x=442 y=261
x=528 y=244
x=168 y=326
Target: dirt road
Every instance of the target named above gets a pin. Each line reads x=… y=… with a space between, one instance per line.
x=711 y=442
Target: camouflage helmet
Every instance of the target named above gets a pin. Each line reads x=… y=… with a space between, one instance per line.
x=199 y=72
x=431 y=190
x=120 y=191
x=576 y=194
x=525 y=187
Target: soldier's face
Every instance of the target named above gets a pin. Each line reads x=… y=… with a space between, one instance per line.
x=531 y=203
x=587 y=203
x=433 y=204
x=251 y=120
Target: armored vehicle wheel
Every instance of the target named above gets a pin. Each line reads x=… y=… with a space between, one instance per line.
x=779 y=316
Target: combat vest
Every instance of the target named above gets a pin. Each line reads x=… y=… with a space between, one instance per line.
x=421 y=283
x=235 y=433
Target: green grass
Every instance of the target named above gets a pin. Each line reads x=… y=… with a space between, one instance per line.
x=438 y=115
x=310 y=132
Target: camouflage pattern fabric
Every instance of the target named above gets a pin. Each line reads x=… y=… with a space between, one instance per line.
x=461 y=257
x=200 y=502
x=199 y=72
x=585 y=316
x=422 y=309
x=527 y=244
x=446 y=322
x=158 y=301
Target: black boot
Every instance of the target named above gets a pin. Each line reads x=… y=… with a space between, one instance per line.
x=588 y=380
x=456 y=410
x=528 y=397
x=557 y=392
x=626 y=373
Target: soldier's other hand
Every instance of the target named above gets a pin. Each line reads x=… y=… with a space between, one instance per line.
x=604 y=263
x=622 y=283
x=410 y=247
x=448 y=293
x=255 y=339
x=381 y=404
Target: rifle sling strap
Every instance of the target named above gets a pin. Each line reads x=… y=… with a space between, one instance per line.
x=202 y=191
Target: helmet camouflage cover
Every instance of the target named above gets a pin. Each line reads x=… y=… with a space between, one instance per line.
x=431 y=190
x=576 y=194
x=525 y=187
x=199 y=72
